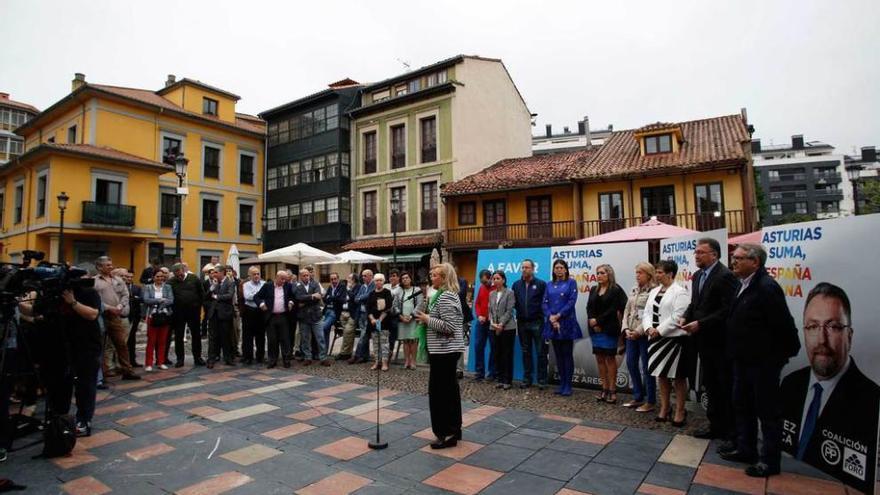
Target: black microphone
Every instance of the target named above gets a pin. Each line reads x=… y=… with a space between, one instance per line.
x=418 y=292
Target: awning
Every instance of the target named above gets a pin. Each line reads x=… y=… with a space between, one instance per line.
x=410 y=257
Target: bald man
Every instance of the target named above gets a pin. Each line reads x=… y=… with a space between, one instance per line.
x=276 y=302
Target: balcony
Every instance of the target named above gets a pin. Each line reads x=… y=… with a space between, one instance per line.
x=827 y=176
x=108 y=215
x=556 y=233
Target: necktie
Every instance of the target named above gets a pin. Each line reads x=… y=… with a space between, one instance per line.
x=703 y=278
x=810 y=423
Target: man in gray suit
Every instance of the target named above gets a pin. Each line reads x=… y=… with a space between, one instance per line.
x=219 y=314
x=308 y=297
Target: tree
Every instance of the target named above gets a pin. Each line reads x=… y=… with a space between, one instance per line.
x=761 y=198
x=795 y=218
x=868 y=196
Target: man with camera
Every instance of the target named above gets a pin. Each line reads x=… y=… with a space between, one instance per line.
x=115 y=298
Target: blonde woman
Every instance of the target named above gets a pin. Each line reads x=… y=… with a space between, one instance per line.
x=643 y=383
x=445 y=341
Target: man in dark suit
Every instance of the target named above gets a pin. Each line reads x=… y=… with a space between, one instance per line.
x=308 y=296
x=220 y=313
x=335 y=298
x=189 y=295
x=135 y=300
x=276 y=301
x=713 y=289
x=830 y=407
x=761 y=336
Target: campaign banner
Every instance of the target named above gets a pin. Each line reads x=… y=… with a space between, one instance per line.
x=830 y=395
x=681 y=251
x=582 y=262
x=510 y=261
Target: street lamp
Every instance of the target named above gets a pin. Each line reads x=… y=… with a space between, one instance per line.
x=62 y=205
x=853 y=173
x=180 y=164
x=395 y=207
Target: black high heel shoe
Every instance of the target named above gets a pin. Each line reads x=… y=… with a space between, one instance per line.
x=602 y=396
x=679 y=424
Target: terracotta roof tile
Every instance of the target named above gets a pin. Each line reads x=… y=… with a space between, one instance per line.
x=707 y=142
x=101 y=152
x=4 y=100
x=655 y=126
x=522 y=173
x=412 y=241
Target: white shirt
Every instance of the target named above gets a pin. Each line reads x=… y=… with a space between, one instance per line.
x=745 y=283
x=827 y=389
x=250 y=289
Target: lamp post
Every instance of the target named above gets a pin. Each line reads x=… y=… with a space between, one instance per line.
x=395 y=208
x=180 y=164
x=853 y=173
x=62 y=205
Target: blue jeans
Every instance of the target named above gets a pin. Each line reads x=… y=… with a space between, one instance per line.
x=637 y=350
x=329 y=320
x=481 y=336
x=530 y=339
x=309 y=329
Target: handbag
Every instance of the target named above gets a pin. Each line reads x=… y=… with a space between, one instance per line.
x=160 y=318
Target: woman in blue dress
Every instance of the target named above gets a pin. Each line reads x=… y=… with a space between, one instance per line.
x=560 y=323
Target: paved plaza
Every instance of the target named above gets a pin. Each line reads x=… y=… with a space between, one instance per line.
x=256 y=431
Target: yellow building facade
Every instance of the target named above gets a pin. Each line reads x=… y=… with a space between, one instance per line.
x=103 y=146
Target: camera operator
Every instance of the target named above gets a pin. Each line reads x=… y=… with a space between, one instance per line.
x=73 y=347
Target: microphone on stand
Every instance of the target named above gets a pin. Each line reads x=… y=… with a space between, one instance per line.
x=417 y=292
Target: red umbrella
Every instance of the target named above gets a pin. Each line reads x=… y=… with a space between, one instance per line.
x=751 y=237
x=652 y=229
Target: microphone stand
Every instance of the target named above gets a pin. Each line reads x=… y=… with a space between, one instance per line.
x=378 y=444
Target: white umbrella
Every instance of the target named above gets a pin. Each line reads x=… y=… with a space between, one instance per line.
x=232 y=259
x=297 y=254
x=355 y=258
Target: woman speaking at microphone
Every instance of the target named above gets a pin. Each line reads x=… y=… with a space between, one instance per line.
x=443 y=318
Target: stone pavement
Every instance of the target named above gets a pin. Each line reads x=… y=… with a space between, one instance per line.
x=254 y=431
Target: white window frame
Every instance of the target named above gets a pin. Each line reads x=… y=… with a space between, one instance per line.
x=217 y=146
x=419 y=116
x=18 y=183
x=253 y=205
x=112 y=176
x=362 y=208
x=40 y=174
x=404 y=183
x=238 y=168
x=172 y=135
x=361 y=151
x=214 y=197
x=389 y=144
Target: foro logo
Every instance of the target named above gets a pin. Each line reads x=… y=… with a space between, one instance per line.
x=830 y=452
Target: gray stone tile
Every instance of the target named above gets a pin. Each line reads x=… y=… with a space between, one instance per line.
x=603 y=424
x=487 y=431
x=671 y=476
x=263 y=486
x=550 y=425
x=318 y=437
x=499 y=457
x=575 y=447
x=554 y=464
x=709 y=490
x=628 y=455
x=417 y=465
x=519 y=483
x=792 y=465
x=641 y=436
x=517 y=439
x=291 y=469
x=396 y=449
x=539 y=433
x=516 y=417
x=607 y=480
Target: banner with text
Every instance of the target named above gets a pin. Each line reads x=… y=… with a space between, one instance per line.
x=681 y=250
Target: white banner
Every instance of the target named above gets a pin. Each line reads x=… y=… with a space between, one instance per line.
x=681 y=250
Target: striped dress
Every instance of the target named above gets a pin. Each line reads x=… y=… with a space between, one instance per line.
x=665 y=354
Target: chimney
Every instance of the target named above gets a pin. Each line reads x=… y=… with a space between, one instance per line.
x=171 y=80
x=610 y=127
x=586 y=133
x=4 y=96
x=756 y=145
x=549 y=130
x=565 y=130
x=869 y=154
x=79 y=79
x=797 y=141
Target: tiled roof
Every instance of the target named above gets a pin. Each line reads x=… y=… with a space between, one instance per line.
x=196 y=82
x=655 y=126
x=99 y=152
x=412 y=241
x=4 y=100
x=522 y=173
x=707 y=142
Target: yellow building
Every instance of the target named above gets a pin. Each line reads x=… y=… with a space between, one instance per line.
x=695 y=174
x=103 y=146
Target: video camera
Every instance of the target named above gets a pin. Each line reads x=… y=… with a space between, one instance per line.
x=49 y=280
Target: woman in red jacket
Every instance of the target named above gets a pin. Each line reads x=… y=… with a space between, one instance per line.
x=481 y=307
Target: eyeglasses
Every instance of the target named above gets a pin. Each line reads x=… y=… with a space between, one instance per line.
x=828 y=326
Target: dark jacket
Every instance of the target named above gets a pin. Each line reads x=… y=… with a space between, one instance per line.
x=135 y=299
x=221 y=307
x=189 y=292
x=309 y=308
x=467 y=313
x=711 y=306
x=607 y=309
x=266 y=295
x=378 y=305
x=354 y=310
x=760 y=328
x=529 y=299
x=849 y=415
x=147 y=275
x=335 y=298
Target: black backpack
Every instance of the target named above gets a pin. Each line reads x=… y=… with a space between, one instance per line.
x=59 y=438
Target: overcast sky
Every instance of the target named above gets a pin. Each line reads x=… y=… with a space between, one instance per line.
x=799 y=67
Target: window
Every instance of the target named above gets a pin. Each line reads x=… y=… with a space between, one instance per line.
x=429 y=205
x=71 y=134
x=436 y=78
x=246 y=169
x=210 y=212
x=273 y=134
x=272 y=178
x=10 y=119
x=611 y=206
x=414 y=85
x=370 y=152
x=428 y=136
x=776 y=209
x=369 y=227
x=168 y=210
x=800 y=207
x=710 y=206
x=660 y=202
x=773 y=175
x=209 y=106
x=398 y=146
x=108 y=191
x=245 y=219
x=211 y=162
x=19 y=202
x=332 y=114
x=658 y=144
x=494 y=219
x=170 y=147
x=829 y=207
x=41 y=195
x=381 y=95
x=467 y=213
x=399 y=194
x=539 y=217
x=332 y=210
x=319 y=212
x=400 y=90
x=271 y=219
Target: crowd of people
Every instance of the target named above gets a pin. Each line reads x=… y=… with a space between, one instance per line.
x=736 y=321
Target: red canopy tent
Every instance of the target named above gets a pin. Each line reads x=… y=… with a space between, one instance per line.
x=751 y=237
x=647 y=231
